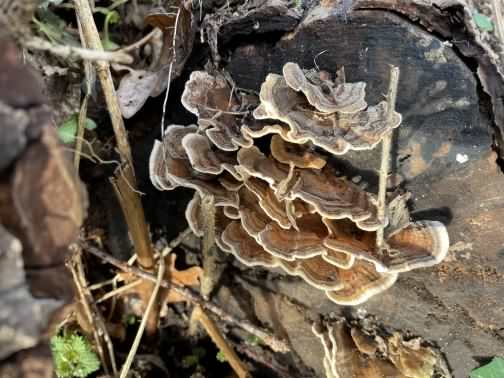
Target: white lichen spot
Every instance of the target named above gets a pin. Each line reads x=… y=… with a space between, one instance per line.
x=462 y=158
x=436 y=55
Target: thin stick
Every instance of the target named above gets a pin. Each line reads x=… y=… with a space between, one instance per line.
x=140 y=42
x=118 y=291
x=385 y=157
x=169 y=78
x=268 y=339
x=90 y=75
x=176 y=242
x=92 y=37
x=214 y=333
x=99 y=285
x=211 y=269
x=79 y=53
x=134 y=347
x=92 y=312
x=88 y=313
x=499 y=22
x=135 y=218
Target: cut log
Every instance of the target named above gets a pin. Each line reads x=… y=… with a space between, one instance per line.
x=442 y=154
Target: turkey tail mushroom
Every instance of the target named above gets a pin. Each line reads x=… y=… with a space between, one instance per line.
x=281 y=202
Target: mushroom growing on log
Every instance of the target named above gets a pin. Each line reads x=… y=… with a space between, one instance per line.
x=447 y=152
x=292 y=210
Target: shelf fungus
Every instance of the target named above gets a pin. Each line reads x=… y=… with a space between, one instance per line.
x=352 y=352
x=280 y=201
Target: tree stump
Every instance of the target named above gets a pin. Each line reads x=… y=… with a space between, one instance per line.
x=443 y=154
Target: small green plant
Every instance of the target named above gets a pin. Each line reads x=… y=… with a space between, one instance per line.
x=482 y=21
x=254 y=340
x=194 y=359
x=495 y=369
x=220 y=356
x=111 y=17
x=73 y=356
x=68 y=130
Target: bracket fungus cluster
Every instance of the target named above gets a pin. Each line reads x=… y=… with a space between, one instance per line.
x=353 y=352
x=279 y=199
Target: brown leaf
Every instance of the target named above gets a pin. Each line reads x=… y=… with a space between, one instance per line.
x=187 y=277
x=138 y=85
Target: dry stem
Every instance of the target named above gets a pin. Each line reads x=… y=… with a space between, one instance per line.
x=93 y=41
x=499 y=22
x=133 y=212
x=211 y=268
x=145 y=319
x=214 y=333
x=125 y=183
x=385 y=156
x=92 y=313
x=274 y=343
x=140 y=42
x=90 y=75
x=71 y=52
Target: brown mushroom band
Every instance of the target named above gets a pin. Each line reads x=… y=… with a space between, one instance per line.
x=289 y=208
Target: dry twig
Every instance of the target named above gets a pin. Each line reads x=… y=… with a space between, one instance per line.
x=211 y=268
x=385 y=157
x=142 y=41
x=499 y=20
x=92 y=313
x=90 y=75
x=125 y=183
x=268 y=339
x=199 y=315
x=150 y=307
x=71 y=52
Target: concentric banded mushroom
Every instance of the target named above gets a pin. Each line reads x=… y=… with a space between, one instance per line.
x=280 y=204
x=349 y=352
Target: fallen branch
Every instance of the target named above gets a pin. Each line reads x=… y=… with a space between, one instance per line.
x=268 y=339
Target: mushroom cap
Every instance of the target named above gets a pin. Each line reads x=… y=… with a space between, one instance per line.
x=245 y=248
x=204 y=159
x=325 y=96
x=290 y=244
x=210 y=97
x=417 y=245
x=349 y=352
x=316 y=271
x=361 y=282
x=301 y=155
x=335 y=131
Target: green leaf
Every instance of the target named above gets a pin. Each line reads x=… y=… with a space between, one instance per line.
x=109 y=44
x=254 y=340
x=113 y=17
x=45 y=3
x=483 y=22
x=73 y=356
x=495 y=369
x=68 y=130
x=221 y=357
x=189 y=361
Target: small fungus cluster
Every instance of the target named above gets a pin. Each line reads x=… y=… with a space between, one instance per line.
x=279 y=199
x=353 y=352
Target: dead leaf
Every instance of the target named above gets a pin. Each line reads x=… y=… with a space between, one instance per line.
x=140 y=84
x=188 y=277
